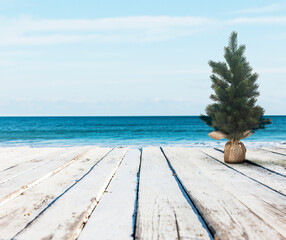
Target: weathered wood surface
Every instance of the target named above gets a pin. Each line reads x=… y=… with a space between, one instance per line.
x=14 y=158
x=94 y=193
x=30 y=164
x=261 y=175
x=267 y=159
x=163 y=211
x=18 y=185
x=65 y=218
x=113 y=216
x=274 y=162
x=17 y=213
x=276 y=150
x=235 y=206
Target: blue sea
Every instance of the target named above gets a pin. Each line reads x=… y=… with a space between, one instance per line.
x=124 y=131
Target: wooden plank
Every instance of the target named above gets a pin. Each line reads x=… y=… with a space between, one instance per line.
x=23 y=156
x=235 y=206
x=15 y=151
x=65 y=218
x=21 y=210
x=16 y=157
x=163 y=211
x=276 y=150
x=266 y=159
x=112 y=217
x=271 y=161
x=259 y=174
x=5 y=150
x=20 y=184
x=35 y=162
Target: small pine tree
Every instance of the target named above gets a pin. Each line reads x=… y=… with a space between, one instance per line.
x=234 y=114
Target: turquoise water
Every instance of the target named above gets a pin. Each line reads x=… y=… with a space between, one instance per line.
x=123 y=131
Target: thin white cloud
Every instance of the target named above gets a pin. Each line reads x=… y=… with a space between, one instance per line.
x=4 y=54
x=26 y=30
x=176 y=72
x=258 y=20
x=29 y=31
x=26 y=24
x=277 y=70
x=265 y=9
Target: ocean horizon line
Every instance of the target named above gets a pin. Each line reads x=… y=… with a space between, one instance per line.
x=50 y=116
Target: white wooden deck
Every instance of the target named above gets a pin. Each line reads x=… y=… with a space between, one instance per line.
x=150 y=193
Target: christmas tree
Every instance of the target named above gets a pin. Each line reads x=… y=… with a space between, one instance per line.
x=234 y=115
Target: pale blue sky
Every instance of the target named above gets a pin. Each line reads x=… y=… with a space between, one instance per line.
x=132 y=57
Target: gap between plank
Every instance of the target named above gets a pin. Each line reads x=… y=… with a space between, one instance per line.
x=58 y=197
x=273 y=152
x=83 y=224
x=136 y=199
x=16 y=193
x=257 y=165
x=211 y=231
x=23 y=172
x=244 y=174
